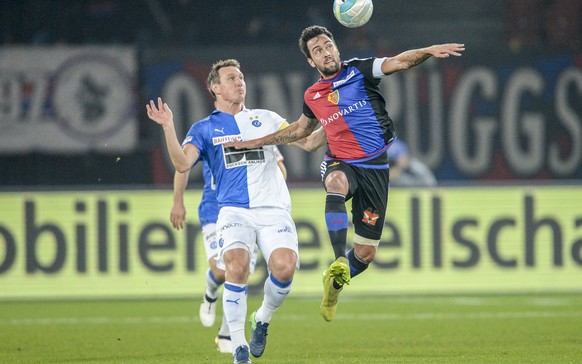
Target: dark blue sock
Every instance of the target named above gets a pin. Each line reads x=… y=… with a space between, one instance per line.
x=336 y=219
x=356 y=265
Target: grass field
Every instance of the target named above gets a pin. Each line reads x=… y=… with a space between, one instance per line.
x=382 y=329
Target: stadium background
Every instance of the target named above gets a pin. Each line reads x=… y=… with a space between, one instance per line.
x=86 y=184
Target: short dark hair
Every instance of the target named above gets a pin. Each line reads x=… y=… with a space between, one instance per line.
x=309 y=33
x=214 y=78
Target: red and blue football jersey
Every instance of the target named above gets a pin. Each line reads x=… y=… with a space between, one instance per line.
x=352 y=111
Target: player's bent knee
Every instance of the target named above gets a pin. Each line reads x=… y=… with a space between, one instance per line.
x=282 y=264
x=365 y=253
x=337 y=181
x=237 y=262
x=284 y=274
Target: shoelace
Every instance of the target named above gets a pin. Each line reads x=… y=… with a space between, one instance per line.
x=262 y=329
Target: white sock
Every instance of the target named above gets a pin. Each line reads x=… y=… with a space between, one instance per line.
x=275 y=294
x=234 y=304
x=224 y=330
x=211 y=285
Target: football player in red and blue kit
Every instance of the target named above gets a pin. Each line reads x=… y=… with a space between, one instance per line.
x=348 y=104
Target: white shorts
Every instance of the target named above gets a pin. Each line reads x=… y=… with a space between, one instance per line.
x=212 y=248
x=268 y=227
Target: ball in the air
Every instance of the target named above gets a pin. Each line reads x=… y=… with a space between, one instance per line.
x=353 y=13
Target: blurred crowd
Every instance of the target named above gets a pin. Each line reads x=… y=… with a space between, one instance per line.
x=528 y=24
x=173 y=22
x=534 y=24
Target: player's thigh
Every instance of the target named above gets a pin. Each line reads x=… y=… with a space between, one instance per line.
x=235 y=229
x=277 y=232
x=369 y=203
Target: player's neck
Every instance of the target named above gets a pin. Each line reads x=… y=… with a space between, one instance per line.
x=326 y=76
x=229 y=107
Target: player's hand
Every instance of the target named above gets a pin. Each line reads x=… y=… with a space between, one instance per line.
x=178 y=216
x=161 y=113
x=446 y=50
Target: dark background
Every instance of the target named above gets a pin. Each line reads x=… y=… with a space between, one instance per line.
x=501 y=29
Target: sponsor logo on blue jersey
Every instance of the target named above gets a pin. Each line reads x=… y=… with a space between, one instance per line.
x=225 y=139
x=341 y=82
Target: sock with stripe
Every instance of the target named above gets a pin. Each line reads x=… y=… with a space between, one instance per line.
x=234 y=304
x=357 y=266
x=336 y=219
x=275 y=294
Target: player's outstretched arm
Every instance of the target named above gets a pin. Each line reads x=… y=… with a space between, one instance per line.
x=178 y=211
x=301 y=128
x=312 y=142
x=413 y=57
x=161 y=114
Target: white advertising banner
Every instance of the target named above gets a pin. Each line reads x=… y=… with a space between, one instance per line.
x=67 y=99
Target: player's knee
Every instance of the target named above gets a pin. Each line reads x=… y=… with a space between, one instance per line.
x=285 y=274
x=337 y=182
x=282 y=264
x=236 y=272
x=237 y=265
x=365 y=253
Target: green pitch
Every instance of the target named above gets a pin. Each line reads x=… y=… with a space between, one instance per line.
x=382 y=329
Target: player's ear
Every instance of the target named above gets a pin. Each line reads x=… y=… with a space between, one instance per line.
x=215 y=88
x=311 y=63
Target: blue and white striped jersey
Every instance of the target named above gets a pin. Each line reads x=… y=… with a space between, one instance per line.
x=248 y=177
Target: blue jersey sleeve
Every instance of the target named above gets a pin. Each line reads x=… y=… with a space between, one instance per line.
x=198 y=137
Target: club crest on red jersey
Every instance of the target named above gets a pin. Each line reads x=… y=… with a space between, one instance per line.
x=334 y=97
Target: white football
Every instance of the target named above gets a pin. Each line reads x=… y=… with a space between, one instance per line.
x=353 y=13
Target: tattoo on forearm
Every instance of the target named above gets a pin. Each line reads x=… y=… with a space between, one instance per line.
x=284 y=139
x=417 y=59
x=291 y=134
x=311 y=124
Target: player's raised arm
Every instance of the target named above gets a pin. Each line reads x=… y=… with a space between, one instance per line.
x=301 y=128
x=413 y=57
x=182 y=159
